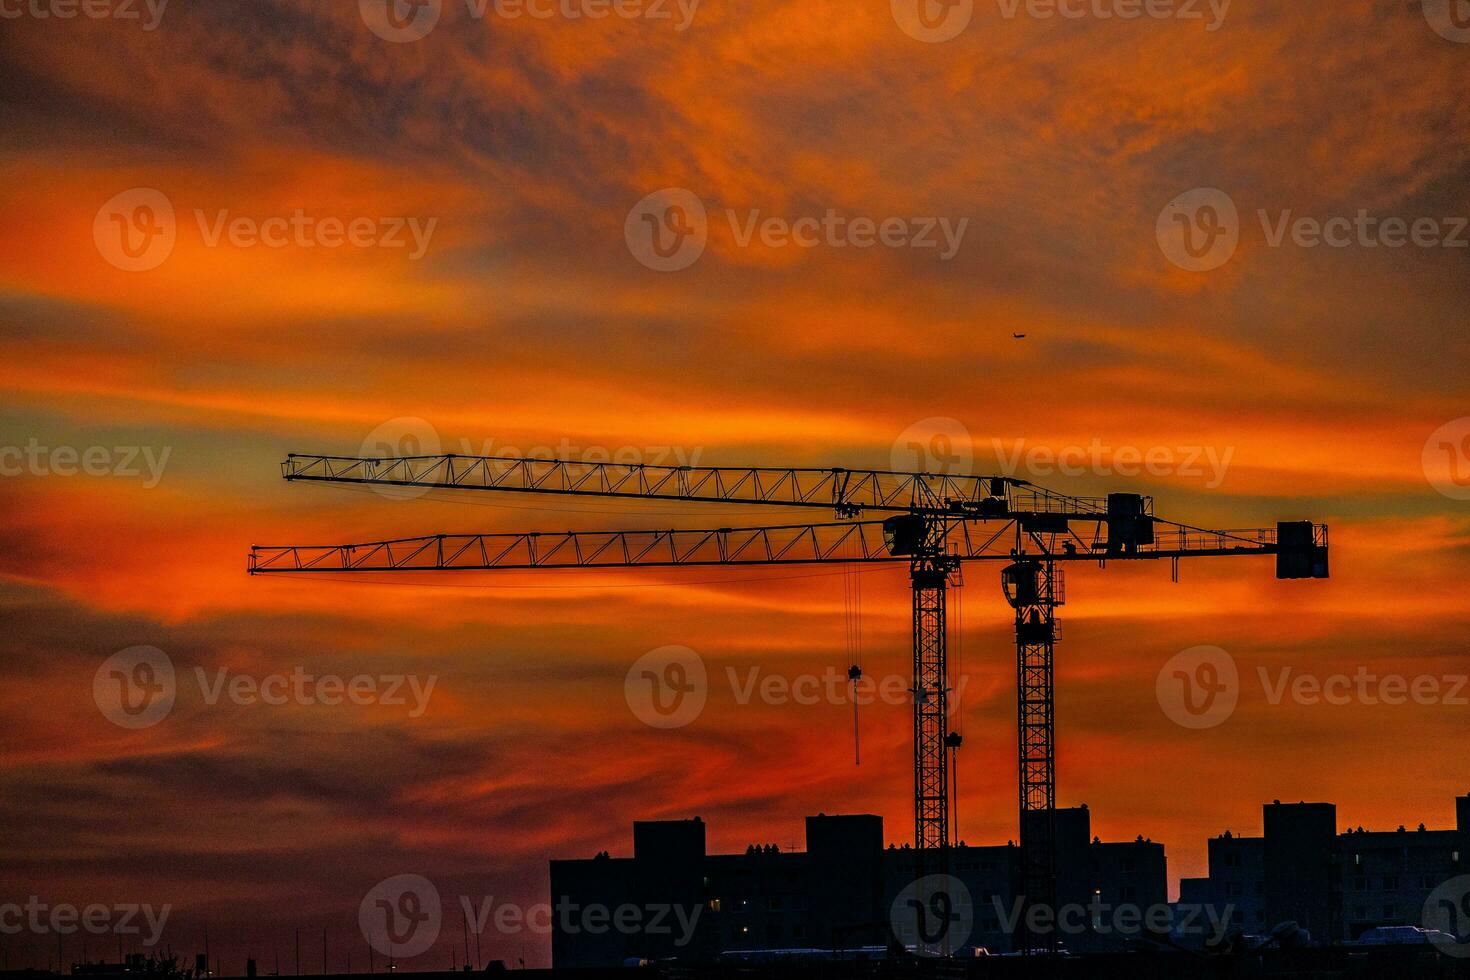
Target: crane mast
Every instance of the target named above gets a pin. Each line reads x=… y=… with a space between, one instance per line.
x=932 y=775
x=932 y=522
x=1034 y=590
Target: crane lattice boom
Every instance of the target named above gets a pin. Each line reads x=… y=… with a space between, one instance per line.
x=932 y=522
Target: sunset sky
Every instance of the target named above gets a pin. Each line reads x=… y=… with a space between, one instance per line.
x=1324 y=379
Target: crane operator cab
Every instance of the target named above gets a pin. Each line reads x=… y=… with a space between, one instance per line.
x=1130 y=523
x=904 y=534
x=1301 y=550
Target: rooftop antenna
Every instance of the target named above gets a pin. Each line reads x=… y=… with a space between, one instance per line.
x=464 y=921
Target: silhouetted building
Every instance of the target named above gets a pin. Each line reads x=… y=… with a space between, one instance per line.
x=1337 y=886
x=1237 y=882
x=835 y=895
x=1298 y=864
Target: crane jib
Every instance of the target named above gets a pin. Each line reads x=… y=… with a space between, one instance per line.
x=933 y=522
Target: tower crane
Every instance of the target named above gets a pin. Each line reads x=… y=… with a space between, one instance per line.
x=932 y=522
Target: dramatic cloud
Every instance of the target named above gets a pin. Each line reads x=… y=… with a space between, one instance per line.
x=491 y=167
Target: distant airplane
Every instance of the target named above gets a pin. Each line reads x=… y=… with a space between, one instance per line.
x=1019 y=336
